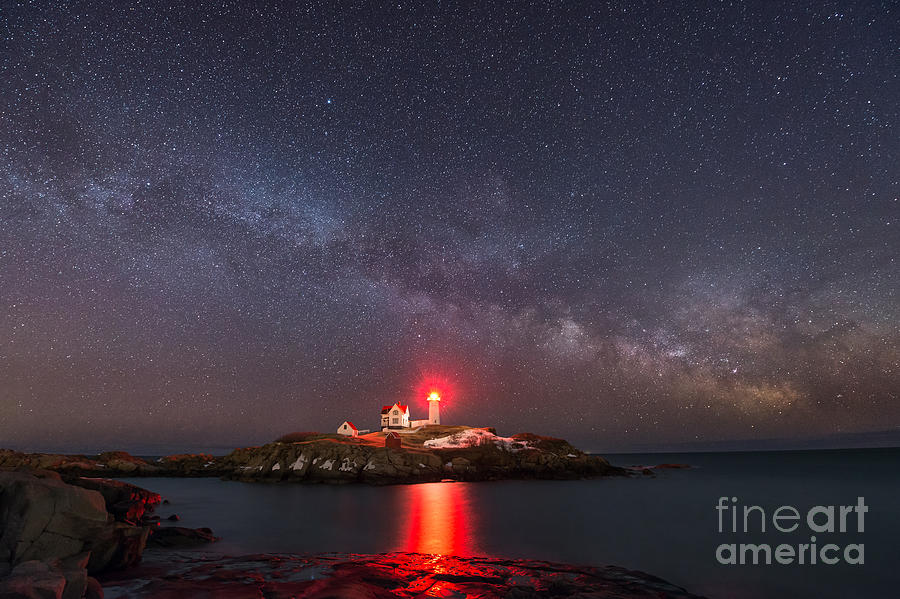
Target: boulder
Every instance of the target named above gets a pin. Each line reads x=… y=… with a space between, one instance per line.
x=43 y=518
x=179 y=536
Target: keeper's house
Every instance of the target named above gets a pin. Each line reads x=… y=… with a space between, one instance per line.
x=394 y=417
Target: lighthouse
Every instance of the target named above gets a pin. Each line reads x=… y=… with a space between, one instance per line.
x=434 y=408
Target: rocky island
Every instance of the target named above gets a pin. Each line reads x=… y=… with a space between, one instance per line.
x=427 y=454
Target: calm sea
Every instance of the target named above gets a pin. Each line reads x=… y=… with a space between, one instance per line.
x=667 y=526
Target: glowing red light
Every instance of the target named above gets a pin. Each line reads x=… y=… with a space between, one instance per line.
x=435 y=387
x=439 y=519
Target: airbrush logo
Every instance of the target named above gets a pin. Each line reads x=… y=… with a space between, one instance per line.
x=737 y=519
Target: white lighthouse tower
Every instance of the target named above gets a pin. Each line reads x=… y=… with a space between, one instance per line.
x=434 y=408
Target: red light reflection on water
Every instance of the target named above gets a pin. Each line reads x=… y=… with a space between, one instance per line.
x=439 y=519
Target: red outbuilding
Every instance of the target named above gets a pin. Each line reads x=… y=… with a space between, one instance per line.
x=392 y=440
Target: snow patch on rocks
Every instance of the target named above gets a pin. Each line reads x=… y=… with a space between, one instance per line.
x=474 y=437
x=298 y=463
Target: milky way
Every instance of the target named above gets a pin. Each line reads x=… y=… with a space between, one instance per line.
x=618 y=223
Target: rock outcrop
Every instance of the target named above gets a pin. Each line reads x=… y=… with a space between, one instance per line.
x=187 y=464
x=430 y=454
x=126 y=502
x=44 y=518
x=52 y=535
x=110 y=464
x=70 y=467
x=331 y=461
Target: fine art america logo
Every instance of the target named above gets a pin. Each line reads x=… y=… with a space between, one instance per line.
x=785 y=520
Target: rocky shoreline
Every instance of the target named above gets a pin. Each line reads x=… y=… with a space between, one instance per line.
x=429 y=454
x=91 y=538
x=284 y=576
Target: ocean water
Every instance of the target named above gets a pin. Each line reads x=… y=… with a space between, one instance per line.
x=667 y=525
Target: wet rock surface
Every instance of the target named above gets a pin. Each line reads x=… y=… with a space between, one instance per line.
x=275 y=576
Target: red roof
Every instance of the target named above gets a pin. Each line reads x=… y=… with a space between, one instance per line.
x=352 y=425
x=386 y=409
x=392 y=435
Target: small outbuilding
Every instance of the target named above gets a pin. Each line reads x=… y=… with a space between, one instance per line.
x=348 y=429
x=392 y=440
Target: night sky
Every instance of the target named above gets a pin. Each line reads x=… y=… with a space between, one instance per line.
x=620 y=223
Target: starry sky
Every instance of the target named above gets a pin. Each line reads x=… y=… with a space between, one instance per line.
x=622 y=223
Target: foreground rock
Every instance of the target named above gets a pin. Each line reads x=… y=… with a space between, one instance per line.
x=63 y=579
x=376 y=576
x=54 y=534
x=43 y=518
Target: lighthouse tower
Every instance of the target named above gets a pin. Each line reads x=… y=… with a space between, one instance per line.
x=434 y=408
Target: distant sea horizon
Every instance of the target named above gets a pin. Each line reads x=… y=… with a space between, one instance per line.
x=882 y=439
